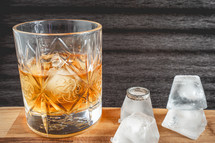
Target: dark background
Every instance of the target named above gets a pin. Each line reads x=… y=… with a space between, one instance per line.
x=145 y=43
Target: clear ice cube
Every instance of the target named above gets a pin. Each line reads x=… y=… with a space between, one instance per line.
x=187 y=93
x=190 y=123
x=130 y=106
x=137 y=128
x=57 y=61
x=137 y=100
x=60 y=82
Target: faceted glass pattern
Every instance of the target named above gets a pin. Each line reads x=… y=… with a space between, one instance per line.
x=60 y=65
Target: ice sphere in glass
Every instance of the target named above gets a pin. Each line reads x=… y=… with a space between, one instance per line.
x=190 y=123
x=137 y=128
x=137 y=100
x=187 y=93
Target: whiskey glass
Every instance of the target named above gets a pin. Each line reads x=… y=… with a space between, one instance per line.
x=60 y=68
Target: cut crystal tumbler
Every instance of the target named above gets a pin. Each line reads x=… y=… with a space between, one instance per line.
x=60 y=66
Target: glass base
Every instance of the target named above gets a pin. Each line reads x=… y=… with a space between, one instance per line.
x=64 y=125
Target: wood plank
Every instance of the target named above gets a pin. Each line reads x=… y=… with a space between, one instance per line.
x=145 y=43
x=202 y=24
x=7 y=118
x=148 y=59
x=104 y=130
x=118 y=3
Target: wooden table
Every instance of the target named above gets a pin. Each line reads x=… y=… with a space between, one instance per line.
x=13 y=128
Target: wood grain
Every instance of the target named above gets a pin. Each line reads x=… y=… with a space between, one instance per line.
x=145 y=43
x=8 y=116
x=114 y=4
x=101 y=132
x=140 y=60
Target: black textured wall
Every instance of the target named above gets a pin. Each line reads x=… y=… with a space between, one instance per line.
x=145 y=43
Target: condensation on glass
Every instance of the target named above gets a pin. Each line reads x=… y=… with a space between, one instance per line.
x=60 y=66
x=137 y=100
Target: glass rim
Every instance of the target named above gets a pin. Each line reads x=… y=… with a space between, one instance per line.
x=133 y=96
x=99 y=26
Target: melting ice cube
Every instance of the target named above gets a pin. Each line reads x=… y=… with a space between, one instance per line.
x=187 y=93
x=137 y=100
x=190 y=123
x=137 y=128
